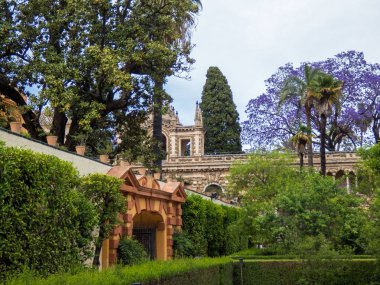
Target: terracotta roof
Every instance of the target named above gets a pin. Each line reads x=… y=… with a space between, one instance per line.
x=124 y=172
x=119 y=171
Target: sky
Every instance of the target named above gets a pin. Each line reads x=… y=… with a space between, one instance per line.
x=250 y=39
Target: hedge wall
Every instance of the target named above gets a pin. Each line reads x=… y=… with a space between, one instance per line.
x=203 y=271
x=215 y=275
x=45 y=224
x=332 y=272
x=208 y=230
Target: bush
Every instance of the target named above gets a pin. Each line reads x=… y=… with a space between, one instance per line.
x=208 y=229
x=46 y=224
x=182 y=244
x=290 y=210
x=130 y=252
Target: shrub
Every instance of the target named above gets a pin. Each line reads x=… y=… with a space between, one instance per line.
x=46 y=224
x=208 y=229
x=104 y=192
x=130 y=252
x=182 y=244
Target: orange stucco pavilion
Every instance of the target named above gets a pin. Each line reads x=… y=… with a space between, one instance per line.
x=153 y=212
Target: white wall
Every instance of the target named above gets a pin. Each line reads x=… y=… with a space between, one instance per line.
x=84 y=165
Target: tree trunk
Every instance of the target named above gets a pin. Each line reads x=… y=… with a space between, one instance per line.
x=310 y=142
x=323 y=146
x=59 y=125
x=376 y=132
x=301 y=161
x=157 y=124
x=74 y=128
x=96 y=261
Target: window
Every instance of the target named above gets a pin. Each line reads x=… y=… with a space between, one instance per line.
x=185 y=147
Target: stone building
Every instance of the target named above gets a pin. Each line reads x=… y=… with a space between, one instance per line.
x=187 y=162
x=180 y=140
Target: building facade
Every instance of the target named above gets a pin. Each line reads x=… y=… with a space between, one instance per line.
x=187 y=162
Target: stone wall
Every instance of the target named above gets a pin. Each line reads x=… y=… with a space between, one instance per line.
x=83 y=164
x=197 y=172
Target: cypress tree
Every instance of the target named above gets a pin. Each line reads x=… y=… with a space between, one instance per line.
x=220 y=118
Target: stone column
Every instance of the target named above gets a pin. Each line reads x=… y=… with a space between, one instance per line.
x=348 y=183
x=171 y=221
x=356 y=181
x=128 y=217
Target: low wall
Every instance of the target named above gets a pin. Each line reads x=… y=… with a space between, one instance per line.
x=83 y=164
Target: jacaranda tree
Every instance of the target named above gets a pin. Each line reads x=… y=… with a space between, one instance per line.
x=355 y=123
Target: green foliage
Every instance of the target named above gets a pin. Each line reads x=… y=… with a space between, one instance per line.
x=220 y=118
x=369 y=169
x=215 y=271
x=94 y=62
x=131 y=252
x=182 y=244
x=288 y=210
x=104 y=192
x=369 y=183
x=46 y=224
x=208 y=229
x=317 y=271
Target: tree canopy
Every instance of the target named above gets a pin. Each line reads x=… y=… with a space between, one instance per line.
x=292 y=211
x=94 y=63
x=220 y=118
x=353 y=123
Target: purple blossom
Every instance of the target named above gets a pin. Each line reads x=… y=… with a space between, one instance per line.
x=354 y=123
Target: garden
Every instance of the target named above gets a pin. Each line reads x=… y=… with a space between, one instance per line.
x=293 y=227
x=92 y=72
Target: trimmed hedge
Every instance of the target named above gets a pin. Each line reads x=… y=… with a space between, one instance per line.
x=332 y=272
x=220 y=271
x=207 y=271
x=208 y=230
x=46 y=225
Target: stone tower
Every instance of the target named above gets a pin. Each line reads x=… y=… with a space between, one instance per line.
x=180 y=140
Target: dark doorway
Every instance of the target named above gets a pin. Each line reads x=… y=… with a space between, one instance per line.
x=147 y=237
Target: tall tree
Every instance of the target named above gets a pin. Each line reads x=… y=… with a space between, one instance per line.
x=93 y=62
x=179 y=38
x=301 y=88
x=220 y=118
x=326 y=92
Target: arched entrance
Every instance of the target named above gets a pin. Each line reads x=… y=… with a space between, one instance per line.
x=214 y=188
x=149 y=230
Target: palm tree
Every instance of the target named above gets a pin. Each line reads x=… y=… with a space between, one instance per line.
x=325 y=92
x=300 y=140
x=301 y=88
